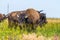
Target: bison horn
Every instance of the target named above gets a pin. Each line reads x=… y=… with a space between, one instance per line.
x=17 y=15
x=41 y=10
x=26 y=16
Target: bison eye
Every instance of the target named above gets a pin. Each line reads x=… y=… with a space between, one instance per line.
x=17 y=15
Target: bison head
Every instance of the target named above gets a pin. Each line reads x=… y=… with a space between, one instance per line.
x=2 y=17
x=21 y=18
x=43 y=19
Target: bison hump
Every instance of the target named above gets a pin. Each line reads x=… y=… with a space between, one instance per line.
x=33 y=14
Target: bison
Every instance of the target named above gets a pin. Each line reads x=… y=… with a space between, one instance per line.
x=16 y=18
x=42 y=19
x=35 y=17
x=2 y=17
x=13 y=19
x=32 y=17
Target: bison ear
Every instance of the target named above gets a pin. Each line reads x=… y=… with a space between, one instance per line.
x=26 y=16
x=17 y=15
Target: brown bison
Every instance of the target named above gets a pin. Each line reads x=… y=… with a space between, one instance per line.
x=35 y=17
x=13 y=18
x=2 y=17
x=32 y=17
x=16 y=18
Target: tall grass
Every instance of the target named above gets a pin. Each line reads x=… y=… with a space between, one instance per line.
x=47 y=30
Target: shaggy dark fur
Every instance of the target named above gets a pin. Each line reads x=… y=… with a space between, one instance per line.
x=2 y=17
x=15 y=18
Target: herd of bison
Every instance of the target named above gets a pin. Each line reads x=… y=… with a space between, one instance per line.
x=28 y=17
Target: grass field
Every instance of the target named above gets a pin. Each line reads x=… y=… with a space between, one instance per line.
x=50 y=31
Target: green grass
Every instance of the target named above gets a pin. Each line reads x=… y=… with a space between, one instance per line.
x=49 y=29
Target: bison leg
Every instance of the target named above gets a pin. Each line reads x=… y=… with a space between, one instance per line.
x=15 y=25
x=10 y=24
x=33 y=26
x=41 y=24
x=21 y=26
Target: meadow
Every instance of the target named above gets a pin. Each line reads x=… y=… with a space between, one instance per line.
x=47 y=32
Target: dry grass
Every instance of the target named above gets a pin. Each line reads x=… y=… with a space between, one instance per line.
x=33 y=36
x=53 y=20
